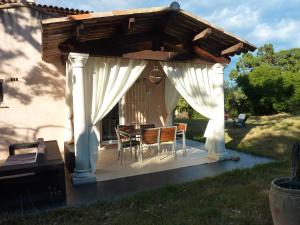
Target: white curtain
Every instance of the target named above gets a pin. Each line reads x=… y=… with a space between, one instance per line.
x=106 y=81
x=171 y=99
x=199 y=86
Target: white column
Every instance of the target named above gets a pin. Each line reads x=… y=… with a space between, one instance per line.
x=82 y=172
x=220 y=152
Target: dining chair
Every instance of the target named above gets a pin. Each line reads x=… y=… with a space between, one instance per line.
x=181 y=132
x=168 y=136
x=126 y=128
x=124 y=142
x=145 y=126
x=149 y=137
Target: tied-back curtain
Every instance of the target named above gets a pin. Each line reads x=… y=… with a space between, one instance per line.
x=106 y=81
x=171 y=99
x=197 y=85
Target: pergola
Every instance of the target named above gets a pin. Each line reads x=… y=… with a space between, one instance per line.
x=166 y=34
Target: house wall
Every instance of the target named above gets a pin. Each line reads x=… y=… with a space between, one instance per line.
x=36 y=106
x=150 y=106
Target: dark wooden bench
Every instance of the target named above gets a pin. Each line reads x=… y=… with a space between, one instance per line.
x=40 y=173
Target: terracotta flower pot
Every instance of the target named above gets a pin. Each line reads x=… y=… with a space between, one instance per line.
x=284 y=199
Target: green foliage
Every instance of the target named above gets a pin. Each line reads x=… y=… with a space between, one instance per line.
x=235 y=100
x=183 y=106
x=270 y=80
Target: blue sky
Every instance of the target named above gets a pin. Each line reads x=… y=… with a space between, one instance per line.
x=257 y=21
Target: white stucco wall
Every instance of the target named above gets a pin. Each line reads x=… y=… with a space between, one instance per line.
x=36 y=105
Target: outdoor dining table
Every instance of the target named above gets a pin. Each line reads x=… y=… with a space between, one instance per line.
x=132 y=133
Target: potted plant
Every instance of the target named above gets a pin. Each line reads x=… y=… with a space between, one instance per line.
x=284 y=195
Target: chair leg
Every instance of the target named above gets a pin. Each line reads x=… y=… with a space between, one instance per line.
x=142 y=156
x=183 y=144
x=130 y=149
x=122 y=149
x=174 y=149
x=141 y=153
x=119 y=152
x=158 y=151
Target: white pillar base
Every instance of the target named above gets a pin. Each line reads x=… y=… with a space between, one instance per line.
x=225 y=155
x=83 y=177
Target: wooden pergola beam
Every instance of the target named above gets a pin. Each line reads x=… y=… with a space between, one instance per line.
x=202 y=53
x=233 y=49
x=203 y=34
x=190 y=49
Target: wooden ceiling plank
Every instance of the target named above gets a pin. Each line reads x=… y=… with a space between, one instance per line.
x=235 y=48
x=203 y=34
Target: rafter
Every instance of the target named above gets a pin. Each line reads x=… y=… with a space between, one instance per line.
x=203 y=34
x=233 y=49
x=202 y=53
x=79 y=29
x=131 y=22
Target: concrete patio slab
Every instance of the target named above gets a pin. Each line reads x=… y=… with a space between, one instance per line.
x=120 y=187
x=109 y=168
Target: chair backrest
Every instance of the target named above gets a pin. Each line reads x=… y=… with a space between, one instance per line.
x=168 y=134
x=145 y=126
x=126 y=128
x=118 y=135
x=242 y=116
x=181 y=127
x=150 y=136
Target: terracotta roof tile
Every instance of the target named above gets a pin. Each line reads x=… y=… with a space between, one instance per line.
x=3 y=2
x=61 y=11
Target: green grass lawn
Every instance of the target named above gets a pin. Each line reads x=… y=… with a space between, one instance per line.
x=271 y=136
x=239 y=197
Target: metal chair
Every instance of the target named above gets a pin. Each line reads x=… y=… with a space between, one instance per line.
x=149 y=137
x=168 y=136
x=124 y=142
x=127 y=129
x=181 y=131
x=241 y=120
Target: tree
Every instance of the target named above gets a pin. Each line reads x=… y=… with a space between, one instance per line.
x=270 y=80
x=235 y=100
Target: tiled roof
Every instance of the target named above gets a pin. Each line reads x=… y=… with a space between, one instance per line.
x=61 y=11
x=3 y=2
